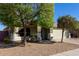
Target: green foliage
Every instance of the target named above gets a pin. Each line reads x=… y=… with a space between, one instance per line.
x=24 y=12
x=12 y=15
x=6 y=40
x=8 y=14
x=46 y=15
x=67 y=22
x=76 y=24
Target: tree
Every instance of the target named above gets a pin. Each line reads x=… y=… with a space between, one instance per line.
x=77 y=24
x=45 y=15
x=24 y=12
x=45 y=19
x=8 y=16
x=13 y=15
x=66 y=22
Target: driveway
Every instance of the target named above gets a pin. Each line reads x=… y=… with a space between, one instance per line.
x=72 y=40
x=74 y=52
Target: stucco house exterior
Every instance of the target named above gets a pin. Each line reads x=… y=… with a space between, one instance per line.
x=38 y=34
x=32 y=32
x=41 y=35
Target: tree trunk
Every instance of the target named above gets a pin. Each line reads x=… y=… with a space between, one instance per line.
x=9 y=32
x=62 y=35
x=24 y=37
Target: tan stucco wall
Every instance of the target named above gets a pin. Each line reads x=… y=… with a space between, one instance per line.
x=57 y=34
x=16 y=37
x=33 y=31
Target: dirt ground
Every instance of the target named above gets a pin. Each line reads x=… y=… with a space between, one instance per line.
x=36 y=49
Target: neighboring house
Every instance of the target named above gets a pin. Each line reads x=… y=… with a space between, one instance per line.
x=74 y=33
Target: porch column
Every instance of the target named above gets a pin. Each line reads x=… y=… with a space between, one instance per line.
x=69 y=35
x=39 y=33
x=51 y=34
x=16 y=37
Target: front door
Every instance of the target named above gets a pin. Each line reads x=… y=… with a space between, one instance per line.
x=21 y=32
x=27 y=31
x=44 y=34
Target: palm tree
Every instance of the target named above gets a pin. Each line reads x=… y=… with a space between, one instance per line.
x=66 y=22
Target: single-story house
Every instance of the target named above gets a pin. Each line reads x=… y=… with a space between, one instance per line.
x=35 y=32
x=39 y=33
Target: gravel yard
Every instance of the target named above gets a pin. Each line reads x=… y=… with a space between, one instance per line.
x=36 y=49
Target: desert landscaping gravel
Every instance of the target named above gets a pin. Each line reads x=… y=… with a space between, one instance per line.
x=36 y=49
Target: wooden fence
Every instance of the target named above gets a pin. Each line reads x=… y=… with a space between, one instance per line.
x=3 y=34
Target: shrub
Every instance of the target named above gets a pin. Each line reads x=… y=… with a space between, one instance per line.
x=6 y=40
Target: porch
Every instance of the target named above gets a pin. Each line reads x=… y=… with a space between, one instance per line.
x=34 y=33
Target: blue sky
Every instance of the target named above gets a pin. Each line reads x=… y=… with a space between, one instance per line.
x=62 y=9
x=1 y=26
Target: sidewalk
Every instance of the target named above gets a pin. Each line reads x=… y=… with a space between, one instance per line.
x=74 y=52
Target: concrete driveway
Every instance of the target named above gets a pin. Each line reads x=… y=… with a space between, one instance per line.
x=74 y=52
x=72 y=40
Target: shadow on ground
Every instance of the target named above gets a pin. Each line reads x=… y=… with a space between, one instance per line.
x=43 y=42
x=11 y=45
x=2 y=45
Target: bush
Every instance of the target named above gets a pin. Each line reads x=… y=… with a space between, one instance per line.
x=6 y=40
